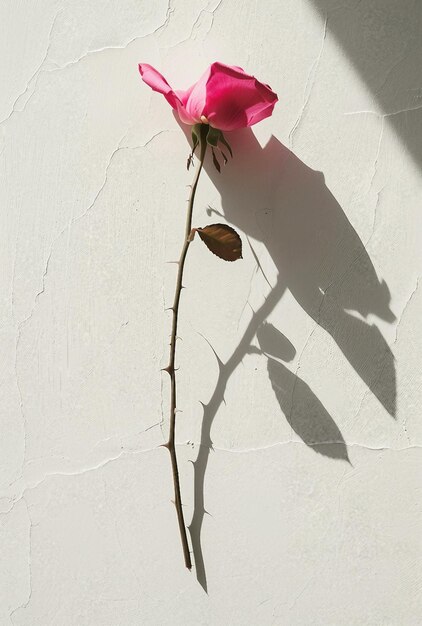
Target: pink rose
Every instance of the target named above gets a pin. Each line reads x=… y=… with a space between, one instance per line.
x=225 y=97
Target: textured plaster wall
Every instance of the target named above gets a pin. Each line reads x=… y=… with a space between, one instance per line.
x=305 y=491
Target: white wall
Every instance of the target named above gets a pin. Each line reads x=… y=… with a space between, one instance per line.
x=312 y=489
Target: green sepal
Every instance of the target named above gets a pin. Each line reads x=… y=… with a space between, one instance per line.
x=196 y=138
x=215 y=161
x=213 y=136
x=196 y=134
x=225 y=143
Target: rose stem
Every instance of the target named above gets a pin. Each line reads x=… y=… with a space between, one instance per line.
x=170 y=369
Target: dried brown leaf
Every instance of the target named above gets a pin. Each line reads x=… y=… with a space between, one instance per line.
x=222 y=240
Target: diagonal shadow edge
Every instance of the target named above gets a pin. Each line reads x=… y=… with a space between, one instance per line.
x=354 y=39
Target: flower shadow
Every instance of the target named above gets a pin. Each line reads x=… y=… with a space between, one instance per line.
x=273 y=197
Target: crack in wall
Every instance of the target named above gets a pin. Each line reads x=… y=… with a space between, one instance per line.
x=357 y=258
x=385 y=115
x=25 y=604
x=257 y=268
x=68 y=226
x=73 y=220
x=400 y=318
x=405 y=308
x=38 y=295
x=39 y=70
x=299 y=360
x=34 y=76
x=89 y=53
x=203 y=11
x=190 y=445
x=309 y=87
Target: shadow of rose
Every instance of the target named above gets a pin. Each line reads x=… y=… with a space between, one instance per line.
x=272 y=196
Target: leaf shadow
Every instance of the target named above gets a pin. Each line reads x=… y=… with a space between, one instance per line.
x=305 y=413
x=272 y=342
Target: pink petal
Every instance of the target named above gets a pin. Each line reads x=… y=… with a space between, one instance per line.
x=184 y=115
x=233 y=98
x=157 y=82
x=197 y=97
x=197 y=94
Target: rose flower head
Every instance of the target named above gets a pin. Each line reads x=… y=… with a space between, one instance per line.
x=225 y=97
